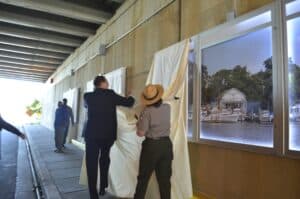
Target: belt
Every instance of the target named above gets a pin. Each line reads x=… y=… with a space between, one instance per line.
x=158 y=138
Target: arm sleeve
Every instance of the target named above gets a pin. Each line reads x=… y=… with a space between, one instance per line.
x=144 y=121
x=5 y=125
x=123 y=101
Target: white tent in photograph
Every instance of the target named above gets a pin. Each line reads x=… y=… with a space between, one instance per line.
x=234 y=98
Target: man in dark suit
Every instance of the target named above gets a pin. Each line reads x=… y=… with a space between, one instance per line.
x=101 y=131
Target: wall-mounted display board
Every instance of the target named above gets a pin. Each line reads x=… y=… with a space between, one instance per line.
x=116 y=80
x=72 y=95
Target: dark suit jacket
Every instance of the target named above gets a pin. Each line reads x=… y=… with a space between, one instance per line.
x=102 y=118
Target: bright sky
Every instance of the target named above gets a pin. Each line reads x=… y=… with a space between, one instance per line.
x=15 y=96
x=294 y=40
x=250 y=50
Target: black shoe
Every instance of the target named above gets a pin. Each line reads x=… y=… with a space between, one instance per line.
x=58 y=151
x=102 y=192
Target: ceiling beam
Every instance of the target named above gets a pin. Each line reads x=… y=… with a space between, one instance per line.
x=63 y=8
x=24 y=72
x=35 y=44
x=30 y=57
x=25 y=62
x=45 y=24
x=31 y=51
x=23 y=78
x=29 y=71
x=26 y=67
x=46 y=36
x=115 y=1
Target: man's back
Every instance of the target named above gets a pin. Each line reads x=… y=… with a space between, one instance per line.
x=61 y=117
x=102 y=121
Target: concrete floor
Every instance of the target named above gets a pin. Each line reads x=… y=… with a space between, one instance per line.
x=24 y=182
x=15 y=175
x=8 y=165
x=59 y=172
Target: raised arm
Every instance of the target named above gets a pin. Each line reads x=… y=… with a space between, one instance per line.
x=7 y=126
x=123 y=101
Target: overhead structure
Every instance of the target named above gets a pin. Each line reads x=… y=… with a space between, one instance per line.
x=36 y=36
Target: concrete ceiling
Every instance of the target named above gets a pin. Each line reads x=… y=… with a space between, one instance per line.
x=36 y=36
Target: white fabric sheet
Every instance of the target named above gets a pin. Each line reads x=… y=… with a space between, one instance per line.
x=169 y=69
x=72 y=95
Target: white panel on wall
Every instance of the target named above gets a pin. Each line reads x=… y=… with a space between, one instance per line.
x=116 y=80
x=89 y=86
x=72 y=96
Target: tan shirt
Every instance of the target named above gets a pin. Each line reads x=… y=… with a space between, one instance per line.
x=155 y=121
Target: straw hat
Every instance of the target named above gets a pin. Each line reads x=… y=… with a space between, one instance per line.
x=151 y=94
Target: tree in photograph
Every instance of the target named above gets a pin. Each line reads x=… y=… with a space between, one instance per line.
x=257 y=87
x=294 y=82
x=267 y=101
x=206 y=96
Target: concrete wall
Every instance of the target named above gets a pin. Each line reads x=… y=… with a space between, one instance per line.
x=218 y=172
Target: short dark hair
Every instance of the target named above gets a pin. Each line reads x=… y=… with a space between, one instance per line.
x=65 y=101
x=157 y=104
x=99 y=80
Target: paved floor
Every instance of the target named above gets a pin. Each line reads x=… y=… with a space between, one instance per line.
x=59 y=173
x=24 y=184
x=8 y=165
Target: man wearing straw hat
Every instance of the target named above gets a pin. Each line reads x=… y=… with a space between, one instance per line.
x=157 y=152
x=101 y=131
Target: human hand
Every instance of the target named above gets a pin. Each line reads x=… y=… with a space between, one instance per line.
x=128 y=93
x=136 y=117
x=22 y=136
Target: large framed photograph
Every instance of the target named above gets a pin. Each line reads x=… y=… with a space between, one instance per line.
x=237 y=90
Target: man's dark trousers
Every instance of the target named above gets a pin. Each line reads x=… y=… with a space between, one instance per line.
x=93 y=148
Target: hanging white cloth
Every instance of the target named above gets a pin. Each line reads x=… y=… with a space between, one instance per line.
x=169 y=69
